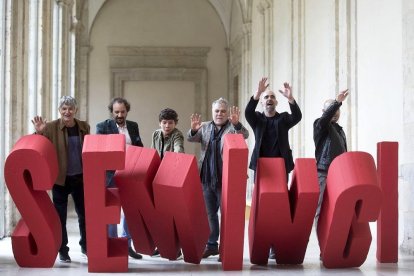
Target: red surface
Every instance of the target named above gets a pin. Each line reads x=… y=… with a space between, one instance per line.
x=352 y=199
x=233 y=203
x=281 y=218
x=149 y=228
x=178 y=194
x=30 y=170
x=102 y=205
x=387 y=226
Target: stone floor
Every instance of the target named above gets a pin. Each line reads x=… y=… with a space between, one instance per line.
x=159 y=266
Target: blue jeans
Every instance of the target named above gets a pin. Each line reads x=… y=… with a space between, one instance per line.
x=212 y=199
x=113 y=231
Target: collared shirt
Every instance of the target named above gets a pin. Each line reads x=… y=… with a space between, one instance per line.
x=124 y=130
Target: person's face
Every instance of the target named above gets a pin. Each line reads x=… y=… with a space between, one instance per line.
x=219 y=112
x=268 y=101
x=119 y=113
x=67 y=113
x=167 y=126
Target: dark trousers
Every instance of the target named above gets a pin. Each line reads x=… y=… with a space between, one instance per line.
x=212 y=198
x=74 y=187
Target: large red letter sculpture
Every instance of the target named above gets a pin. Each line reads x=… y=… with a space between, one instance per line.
x=352 y=199
x=387 y=226
x=281 y=219
x=150 y=228
x=102 y=205
x=30 y=170
x=178 y=194
x=233 y=203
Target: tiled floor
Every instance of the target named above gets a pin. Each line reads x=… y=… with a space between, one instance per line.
x=159 y=266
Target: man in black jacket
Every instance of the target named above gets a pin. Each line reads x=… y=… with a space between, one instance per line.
x=270 y=127
x=330 y=141
x=119 y=108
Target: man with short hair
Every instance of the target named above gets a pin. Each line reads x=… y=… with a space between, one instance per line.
x=330 y=141
x=118 y=124
x=210 y=136
x=168 y=137
x=271 y=128
x=67 y=135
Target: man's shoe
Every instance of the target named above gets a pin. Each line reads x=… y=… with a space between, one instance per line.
x=180 y=256
x=84 y=252
x=210 y=252
x=134 y=254
x=64 y=257
x=219 y=259
x=156 y=253
x=272 y=255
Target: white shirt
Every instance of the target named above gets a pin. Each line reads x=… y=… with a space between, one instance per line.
x=123 y=130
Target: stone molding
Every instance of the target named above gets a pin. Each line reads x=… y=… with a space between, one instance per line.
x=160 y=64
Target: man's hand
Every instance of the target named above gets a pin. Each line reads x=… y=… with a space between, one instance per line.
x=342 y=96
x=287 y=92
x=234 y=115
x=262 y=88
x=195 y=122
x=39 y=124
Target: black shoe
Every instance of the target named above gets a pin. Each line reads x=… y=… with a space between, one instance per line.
x=219 y=259
x=156 y=253
x=64 y=257
x=84 y=252
x=210 y=252
x=134 y=254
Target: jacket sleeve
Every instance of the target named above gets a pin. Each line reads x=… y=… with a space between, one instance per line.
x=240 y=129
x=296 y=115
x=139 y=140
x=197 y=137
x=327 y=116
x=178 y=143
x=250 y=112
x=100 y=128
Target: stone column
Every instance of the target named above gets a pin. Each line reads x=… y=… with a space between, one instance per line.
x=265 y=8
x=406 y=149
x=62 y=57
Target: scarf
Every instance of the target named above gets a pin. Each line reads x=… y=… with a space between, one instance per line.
x=213 y=162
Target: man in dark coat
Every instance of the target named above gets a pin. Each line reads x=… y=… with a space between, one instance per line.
x=119 y=108
x=330 y=141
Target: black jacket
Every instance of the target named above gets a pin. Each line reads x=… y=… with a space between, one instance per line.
x=329 y=138
x=109 y=127
x=285 y=121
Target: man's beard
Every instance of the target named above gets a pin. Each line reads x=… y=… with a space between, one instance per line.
x=120 y=121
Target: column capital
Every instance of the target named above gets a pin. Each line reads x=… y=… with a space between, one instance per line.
x=67 y=3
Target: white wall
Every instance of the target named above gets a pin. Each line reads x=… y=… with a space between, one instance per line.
x=380 y=91
x=319 y=72
x=178 y=95
x=154 y=23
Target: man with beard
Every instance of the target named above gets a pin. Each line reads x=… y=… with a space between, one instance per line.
x=118 y=124
x=270 y=127
x=330 y=141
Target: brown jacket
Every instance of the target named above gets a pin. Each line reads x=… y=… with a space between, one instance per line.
x=56 y=132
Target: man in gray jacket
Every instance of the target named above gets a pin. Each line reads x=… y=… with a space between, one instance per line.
x=210 y=135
